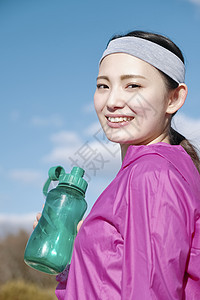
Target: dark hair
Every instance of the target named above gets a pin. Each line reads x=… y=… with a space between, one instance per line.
x=175 y=137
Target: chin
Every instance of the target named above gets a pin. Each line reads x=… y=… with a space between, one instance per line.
x=121 y=140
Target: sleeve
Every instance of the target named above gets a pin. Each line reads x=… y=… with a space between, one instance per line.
x=156 y=237
x=192 y=290
x=62 y=282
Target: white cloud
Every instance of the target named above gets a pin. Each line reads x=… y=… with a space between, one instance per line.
x=65 y=138
x=12 y=223
x=16 y=218
x=97 y=157
x=65 y=143
x=26 y=176
x=188 y=126
x=92 y=129
x=59 y=155
x=49 y=121
x=195 y=1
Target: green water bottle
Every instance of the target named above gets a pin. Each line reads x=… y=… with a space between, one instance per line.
x=49 y=248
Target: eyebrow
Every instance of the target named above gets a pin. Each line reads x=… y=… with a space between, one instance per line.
x=122 y=77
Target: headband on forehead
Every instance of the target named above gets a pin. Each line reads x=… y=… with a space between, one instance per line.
x=152 y=53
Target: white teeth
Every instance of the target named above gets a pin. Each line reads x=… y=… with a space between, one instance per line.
x=119 y=119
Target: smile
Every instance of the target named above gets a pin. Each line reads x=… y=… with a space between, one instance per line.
x=119 y=119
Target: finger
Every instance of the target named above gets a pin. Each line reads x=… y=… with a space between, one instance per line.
x=38 y=216
x=35 y=224
x=79 y=225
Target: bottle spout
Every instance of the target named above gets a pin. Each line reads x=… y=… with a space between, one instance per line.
x=76 y=171
x=75 y=179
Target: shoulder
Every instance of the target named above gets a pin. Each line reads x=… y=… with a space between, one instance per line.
x=155 y=183
x=153 y=172
x=161 y=162
x=162 y=158
x=157 y=177
x=149 y=164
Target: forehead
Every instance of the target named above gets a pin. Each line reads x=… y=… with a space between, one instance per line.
x=122 y=63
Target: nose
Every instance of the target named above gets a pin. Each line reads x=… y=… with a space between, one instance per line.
x=115 y=100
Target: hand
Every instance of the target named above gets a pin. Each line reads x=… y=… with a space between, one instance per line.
x=38 y=216
x=79 y=225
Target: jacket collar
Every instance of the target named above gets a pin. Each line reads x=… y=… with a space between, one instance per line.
x=165 y=150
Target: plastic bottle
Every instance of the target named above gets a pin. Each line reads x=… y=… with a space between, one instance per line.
x=49 y=248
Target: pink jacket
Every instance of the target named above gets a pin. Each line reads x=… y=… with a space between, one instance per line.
x=141 y=240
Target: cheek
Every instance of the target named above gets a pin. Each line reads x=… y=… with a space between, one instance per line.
x=148 y=104
x=98 y=103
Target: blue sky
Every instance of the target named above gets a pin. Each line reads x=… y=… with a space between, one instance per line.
x=48 y=66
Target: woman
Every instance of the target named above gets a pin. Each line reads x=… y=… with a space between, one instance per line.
x=141 y=239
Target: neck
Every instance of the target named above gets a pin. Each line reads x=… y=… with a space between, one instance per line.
x=161 y=138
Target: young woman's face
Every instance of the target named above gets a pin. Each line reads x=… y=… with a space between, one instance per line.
x=130 y=100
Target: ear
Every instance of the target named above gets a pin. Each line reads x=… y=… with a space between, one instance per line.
x=177 y=98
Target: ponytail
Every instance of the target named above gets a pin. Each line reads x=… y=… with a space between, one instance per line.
x=178 y=139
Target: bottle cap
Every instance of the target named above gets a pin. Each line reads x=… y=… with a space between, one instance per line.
x=73 y=179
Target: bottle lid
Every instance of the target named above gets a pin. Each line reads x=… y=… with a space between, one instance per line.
x=73 y=179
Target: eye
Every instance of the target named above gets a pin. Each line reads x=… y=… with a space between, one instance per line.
x=101 y=86
x=133 y=86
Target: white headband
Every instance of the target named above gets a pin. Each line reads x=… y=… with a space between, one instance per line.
x=154 y=54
